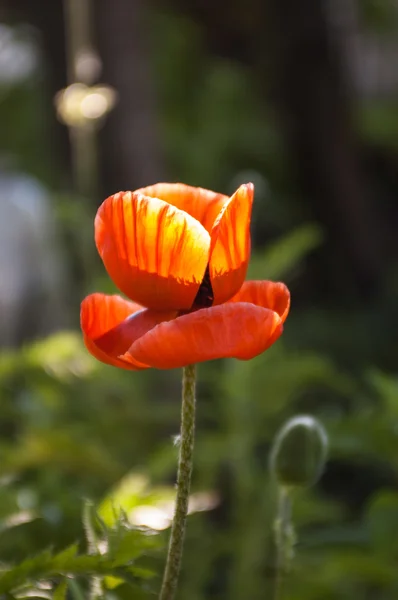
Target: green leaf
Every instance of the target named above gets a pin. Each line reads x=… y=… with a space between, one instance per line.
x=75 y=590
x=127 y=494
x=66 y=562
x=61 y=590
x=279 y=260
x=63 y=558
x=132 y=544
x=31 y=568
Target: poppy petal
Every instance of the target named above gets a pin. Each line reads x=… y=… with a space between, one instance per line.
x=203 y=205
x=230 y=245
x=268 y=294
x=154 y=253
x=100 y=315
x=237 y=330
x=111 y=324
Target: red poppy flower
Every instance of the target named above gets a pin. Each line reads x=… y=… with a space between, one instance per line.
x=180 y=254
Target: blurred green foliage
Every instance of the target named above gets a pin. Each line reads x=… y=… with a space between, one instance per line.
x=73 y=428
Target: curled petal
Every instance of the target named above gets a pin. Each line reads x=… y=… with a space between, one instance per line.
x=111 y=324
x=230 y=245
x=238 y=330
x=203 y=205
x=268 y=294
x=100 y=315
x=154 y=253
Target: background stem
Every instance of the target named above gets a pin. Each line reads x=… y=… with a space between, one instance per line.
x=174 y=556
x=284 y=539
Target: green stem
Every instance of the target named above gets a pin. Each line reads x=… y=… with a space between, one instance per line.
x=174 y=555
x=284 y=540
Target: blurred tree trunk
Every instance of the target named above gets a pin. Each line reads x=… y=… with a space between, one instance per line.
x=311 y=96
x=47 y=17
x=131 y=149
x=300 y=65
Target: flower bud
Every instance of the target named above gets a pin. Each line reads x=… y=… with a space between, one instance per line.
x=299 y=452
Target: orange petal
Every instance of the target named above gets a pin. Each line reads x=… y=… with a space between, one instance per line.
x=230 y=245
x=101 y=315
x=268 y=294
x=111 y=324
x=203 y=205
x=238 y=330
x=155 y=253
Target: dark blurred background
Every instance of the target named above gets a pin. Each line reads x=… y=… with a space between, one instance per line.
x=302 y=99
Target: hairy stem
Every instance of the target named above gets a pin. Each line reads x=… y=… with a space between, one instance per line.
x=284 y=541
x=174 y=555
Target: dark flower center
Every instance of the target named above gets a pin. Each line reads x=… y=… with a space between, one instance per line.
x=205 y=296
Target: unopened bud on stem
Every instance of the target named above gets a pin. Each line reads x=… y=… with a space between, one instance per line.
x=299 y=452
